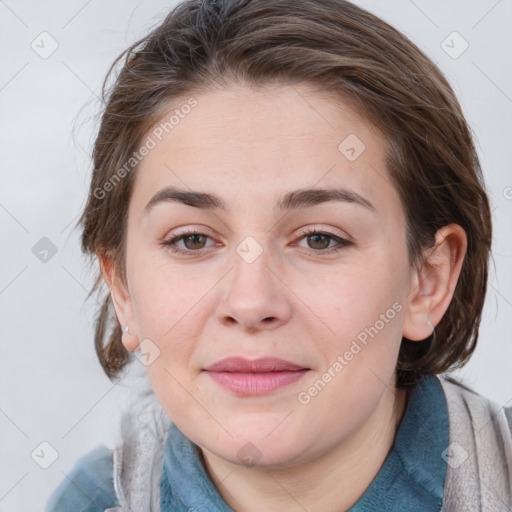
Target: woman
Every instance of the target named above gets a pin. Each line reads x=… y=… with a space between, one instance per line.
x=289 y=213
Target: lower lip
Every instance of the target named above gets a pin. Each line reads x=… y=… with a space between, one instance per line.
x=254 y=384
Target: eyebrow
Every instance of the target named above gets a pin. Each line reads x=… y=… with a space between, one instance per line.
x=302 y=198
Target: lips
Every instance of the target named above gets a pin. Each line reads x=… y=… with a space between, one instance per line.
x=257 y=377
x=263 y=365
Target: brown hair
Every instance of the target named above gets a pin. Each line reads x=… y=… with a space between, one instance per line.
x=345 y=51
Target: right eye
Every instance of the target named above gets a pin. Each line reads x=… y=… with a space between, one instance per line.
x=192 y=241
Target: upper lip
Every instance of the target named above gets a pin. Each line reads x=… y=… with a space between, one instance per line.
x=261 y=365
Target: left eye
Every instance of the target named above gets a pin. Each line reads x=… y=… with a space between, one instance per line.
x=320 y=241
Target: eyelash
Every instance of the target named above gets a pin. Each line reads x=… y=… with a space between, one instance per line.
x=342 y=243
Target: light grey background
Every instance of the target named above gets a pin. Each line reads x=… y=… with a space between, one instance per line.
x=52 y=388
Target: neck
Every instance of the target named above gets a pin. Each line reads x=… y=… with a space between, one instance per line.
x=316 y=484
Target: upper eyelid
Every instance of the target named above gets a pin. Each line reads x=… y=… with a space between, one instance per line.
x=203 y=230
x=305 y=232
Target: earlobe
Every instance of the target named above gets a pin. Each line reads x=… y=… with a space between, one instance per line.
x=433 y=285
x=129 y=340
x=121 y=300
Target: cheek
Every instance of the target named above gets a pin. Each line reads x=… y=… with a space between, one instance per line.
x=170 y=311
x=352 y=299
x=171 y=308
x=363 y=309
x=157 y=290
x=364 y=312
x=165 y=305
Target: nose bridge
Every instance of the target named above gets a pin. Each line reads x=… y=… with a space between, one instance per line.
x=253 y=298
x=251 y=279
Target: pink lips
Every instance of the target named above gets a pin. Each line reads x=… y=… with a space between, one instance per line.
x=257 y=377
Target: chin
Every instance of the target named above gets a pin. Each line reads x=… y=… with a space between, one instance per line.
x=249 y=447
x=248 y=454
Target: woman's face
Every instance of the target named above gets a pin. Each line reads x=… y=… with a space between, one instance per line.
x=299 y=254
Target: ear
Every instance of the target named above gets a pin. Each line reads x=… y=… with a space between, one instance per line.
x=433 y=285
x=121 y=300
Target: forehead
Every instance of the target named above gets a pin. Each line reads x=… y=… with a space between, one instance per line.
x=246 y=140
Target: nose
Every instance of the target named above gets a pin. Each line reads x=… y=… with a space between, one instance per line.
x=254 y=298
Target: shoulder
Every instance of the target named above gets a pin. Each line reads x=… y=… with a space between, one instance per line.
x=508 y=414
x=479 y=456
x=458 y=393
x=88 y=487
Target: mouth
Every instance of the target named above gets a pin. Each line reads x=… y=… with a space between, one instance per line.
x=246 y=377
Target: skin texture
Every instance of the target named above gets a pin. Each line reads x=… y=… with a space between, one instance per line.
x=250 y=147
